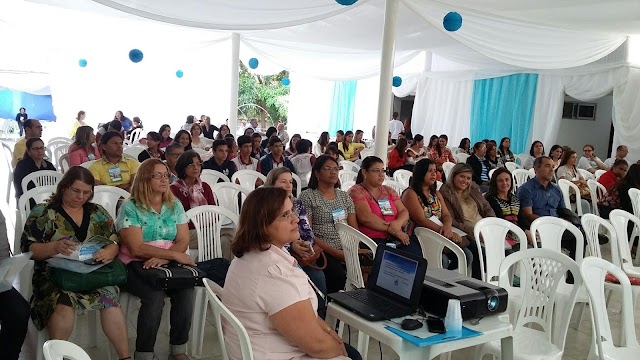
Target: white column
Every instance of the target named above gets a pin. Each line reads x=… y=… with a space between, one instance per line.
x=233 y=86
x=386 y=75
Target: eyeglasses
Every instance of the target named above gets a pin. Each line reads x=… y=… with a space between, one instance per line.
x=37 y=148
x=331 y=169
x=77 y=192
x=158 y=176
x=194 y=165
x=287 y=216
x=377 y=171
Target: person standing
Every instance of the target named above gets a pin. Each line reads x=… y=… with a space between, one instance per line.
x=21 y=117
x=395 y=127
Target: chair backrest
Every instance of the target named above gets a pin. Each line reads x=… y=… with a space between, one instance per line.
x=520 y=177
x=433 y=244
x=541 y=271
x=108 y=196
x=550 y=230
x=230 y=196
x=220 y=311
x=586 y=175
x=599 y=173
x=41 y=178
x=208 y=221
x=39 y=195
x=135 y=135
x=634 y=195
x=493 y=232
x=521 y=158
x=86 y=164
x=247 y=178
x=211 y=177
x=10 y=267
x=60 y=139
x=565 y=187
x=347 y=175
x=461 y=158
x=49 y=155
x=350 y=239
x=8 y=154
x=597 y=191
x=593 y=272
x=133 y=151
x=591 y=225
x=57 y=148
x=200 y=151
x=398 y=187
x=446 y=168
x=621 y=249
x=59 y=152
x=63 y=163
x=298 y=183
x=511 y=166
x=61 y=349
x=491 y=173
x=349 y=165
x=403 y=177
x=439 y=184
x=345 y=186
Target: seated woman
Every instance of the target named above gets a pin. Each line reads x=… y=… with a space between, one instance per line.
x=153 y=229
x=464 y=147
x=303 y=161
x=291 y=150
x=153 y=148
x=440 y=153
x=537 y=150
x=165 y=136
x=617 y=197
x=321 y=145
x=32 y=161
x=492 y=156
x=207 y=127
x=183 y=138
x=268 y=293
x=427 y=209
x=190 y=190
x=332 y=150
x=398 y=157
x=556 y=154
x=504 y=152
x=433 y=141
x=350 y=149
x=568 y=170
x=506 y=205
x=197 y=140
x=467 y=206
x=416 y=151
x=479 y=165
x=82 y=149
x=224 y=131
x=379 y=210
x=327 y=205
x=57 y=227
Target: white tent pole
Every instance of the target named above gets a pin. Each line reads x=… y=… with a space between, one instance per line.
x=386 y=74
x=233 y=88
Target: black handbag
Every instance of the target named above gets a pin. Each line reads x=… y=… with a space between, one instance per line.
x=170 y=276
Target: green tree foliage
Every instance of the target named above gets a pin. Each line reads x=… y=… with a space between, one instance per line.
x=267 y=92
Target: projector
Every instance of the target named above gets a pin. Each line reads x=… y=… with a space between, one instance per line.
x=477 y=298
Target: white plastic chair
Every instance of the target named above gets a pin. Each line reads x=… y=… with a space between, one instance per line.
x=298 y=183
x=56 y=148
x=461 y=158
x=511 y=166
x=108 y=196
x=593 y=272
x=39 y=195
x=220 y=311
x=634 y=195
x=61 y=349
x=58 y=153
x=135 y=135
x=433 y=244
x=247 y=178
x=439 y=184
x=212 y=177
x=200 y=151
x=520 y=177
x=41 y=178
x=60 y=139
x=230 y=196
x=491 y=173
x=620 y=249
x=599 y=173
x=446 y=168
x=63 y=163
x=493 y=232
x=597 y=192
x=403 y=177
x=586 y=175
x=87 y=164
x=7 y=152
x=398 y=187
x=349 y=165
x=540 y=329
x=133 y=151
x=347 y=175
x=345 y=186
x=565 y=187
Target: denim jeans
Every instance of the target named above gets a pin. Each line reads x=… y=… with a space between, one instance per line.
x=14 y=315
x=150 y=315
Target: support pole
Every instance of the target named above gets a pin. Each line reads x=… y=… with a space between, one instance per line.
x=386 y=75
x=233 y=88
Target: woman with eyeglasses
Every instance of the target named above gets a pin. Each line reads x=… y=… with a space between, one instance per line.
x=328 y=205
x=190 y=190
x=33 y=160
x=380 y=212
x=59 y=226
x=153 y=229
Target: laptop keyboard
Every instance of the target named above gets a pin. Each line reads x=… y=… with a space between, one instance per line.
x=391 y=310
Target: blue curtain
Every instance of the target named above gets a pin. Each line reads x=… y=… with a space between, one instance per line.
x=504 y=107
x=38 y=106
x=342 y=106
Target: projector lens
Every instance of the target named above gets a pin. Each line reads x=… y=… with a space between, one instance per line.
x=493 y=303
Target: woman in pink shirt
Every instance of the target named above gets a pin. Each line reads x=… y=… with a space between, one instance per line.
x=83 y=149
x=267 y=291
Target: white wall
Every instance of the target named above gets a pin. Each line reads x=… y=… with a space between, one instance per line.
x=577 y=133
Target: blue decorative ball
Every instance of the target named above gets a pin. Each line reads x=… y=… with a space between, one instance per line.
x=346 y=2
x=253 y=63
x=397 y=81
x=452 y=21
x=179 y=73
x=135 y=55
x=286 y=81
x=82 y=62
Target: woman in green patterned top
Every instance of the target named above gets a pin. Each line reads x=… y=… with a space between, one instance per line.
x=53 y=228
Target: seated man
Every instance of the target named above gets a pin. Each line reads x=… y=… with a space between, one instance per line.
x=244 y=161
x=113 y=168
x=32 y=129
x=257 y=151
x=615 y=173
x=276 y=158
x=621 y=153
x=172 y=153
x=589 y=161
x=219 y=161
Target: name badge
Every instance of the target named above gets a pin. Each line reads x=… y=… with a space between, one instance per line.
x=385 y=207
x=339 y=216
x=91 y=156
x=114 y=174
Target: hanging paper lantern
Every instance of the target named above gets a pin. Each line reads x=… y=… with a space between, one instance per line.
x=253 y=63
x=452 y=21
x=82 y=62
x=179 y=73
x=346 y=2
x=135 y=55
x=397 y=81
x=286 y=81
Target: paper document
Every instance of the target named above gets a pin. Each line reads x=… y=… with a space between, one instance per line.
x=86 y=250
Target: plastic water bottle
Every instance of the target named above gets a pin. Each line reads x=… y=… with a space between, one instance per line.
x=453 y=320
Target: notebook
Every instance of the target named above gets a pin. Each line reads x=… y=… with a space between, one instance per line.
x=393 y=290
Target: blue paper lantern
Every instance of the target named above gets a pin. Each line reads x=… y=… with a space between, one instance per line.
x=135 y=55
x=286 y=81
x=452 y=21
x=82 y=62
x=397 y=81
x=346 y=2
x=253 y=63
x=179 y=73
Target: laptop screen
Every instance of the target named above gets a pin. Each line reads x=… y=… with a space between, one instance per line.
x=397 y=274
